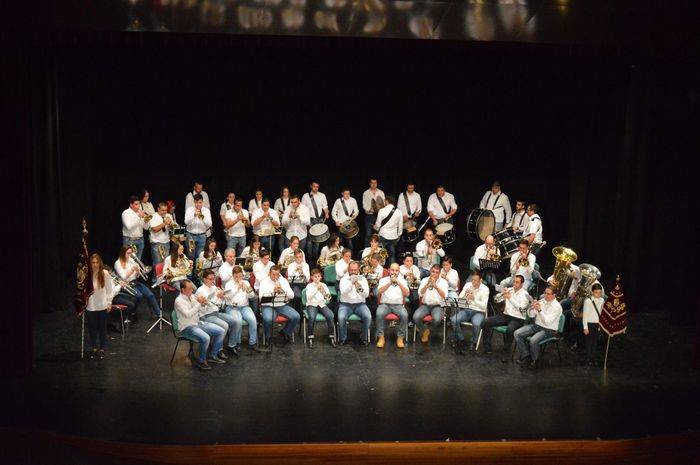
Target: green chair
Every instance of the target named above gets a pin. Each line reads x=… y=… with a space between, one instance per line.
x=471 y=264
x=179 y=337
x=330 y=278
x=319 y=316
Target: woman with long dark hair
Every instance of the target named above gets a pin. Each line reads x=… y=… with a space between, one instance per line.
x=98 y=306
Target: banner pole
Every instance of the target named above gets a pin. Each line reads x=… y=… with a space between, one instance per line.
x=607 y=347
x=82 y=336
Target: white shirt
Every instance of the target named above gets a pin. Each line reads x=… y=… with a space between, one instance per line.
x=338 y=213
x=132 y=224
x=288 y=252
x=236 y=296
x=101 y=297
x=325 y=251
x=196 y=225
x=254 y=204
x=368 y=196
x=431 y=296
x=393 y=295
x=549 y=315
x=341 y=267
x=266 y=223
x=481 y=296
x=435 y=208
x=124 y=272
x=189 y=200
x=481 y=253
x=575 y=278
x=158 y=237
x=314 y=296
x=499 y=204
x=210 y=293
x=404 y=270
x=525 y=271
x=261 y=272
x=226 y=272
x=187 y=309
x=534 y=226
x=517 y=304
x=224 y=208
x=297 y=226
x=348 y=292
x=425 y=262
x=147 y=207
x=520 y=221
x=590 y=315
x=238 y=229
x=281 y=204
x=321 y=203
x=167 y=265
x=393 y=227
x=246 y=251
x=452 y=279
x=212 y=263
x=414 y=202
x=268 y=286
x=294 y=268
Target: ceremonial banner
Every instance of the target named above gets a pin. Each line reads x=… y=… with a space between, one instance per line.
x=613 y=316
x=83 y=285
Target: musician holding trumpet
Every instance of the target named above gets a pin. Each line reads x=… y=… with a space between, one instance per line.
x=296 y=219
x=211 y=311
x=277 y=286
x=516 y=301
x=160 y=237
x=476 y=295
x=429 y=252
x=317 y=298
x=237 y=295
x=198 y=221
x=265 y=222
x=432 y=293
x=236 y=220
x=354 y=291
x=298 y=276
x=523 y=264
x=134 y=221
x=546 y=312
x=487 y=251
x=391 y=292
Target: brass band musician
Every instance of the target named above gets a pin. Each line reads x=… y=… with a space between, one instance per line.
x=317 y=299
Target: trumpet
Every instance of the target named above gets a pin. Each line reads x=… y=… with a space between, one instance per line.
x=493 y=255
x=199 y=214
x=413 y=282
x=394 y=281
x=126 y=287
x=330 y=259
x=322 y=290
x=242 y=218
x=147 y=218
x=523 y=261
x=436 y=244
x=431 y=284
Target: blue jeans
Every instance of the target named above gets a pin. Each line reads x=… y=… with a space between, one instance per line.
x=345 y=310
x=313 y=249
x=536 y=334
x=269 y=314
x=199 y=240
x=268 y=242
x=231 y=323
x=397 y=309
x=390 y=246
x=311 y=320
x=155 y=254
x=424 y=273
x=474 y=317
x=138 y=243
x=142 y=291
x=346 y=242
x=236 y=243
x=369 y=227
x=245 y=314
x=204 y=333
x=435 y=311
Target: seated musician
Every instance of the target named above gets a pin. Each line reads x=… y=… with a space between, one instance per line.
x=317 y=298
x=345 y=209
x=207 y=334
x=331 y=252
x=374 y=248
x=128 y=271
x=432 y=292
x=441 y=206
x=287 y=255
x=225 y=272
x=341 y=266
x=298 y=275
x=429 y=256
x=476 y=294
x=275 y=285
x=353 y=294
x=592 y=307
x=209 y=258
x=450 y=275
x=546 y=313
x=211 y=312
x=411 y=274
x=373 y=272
x=521 y=263
x=516 y=301
x=238 y=293
x=176 y=267
x=120 y=296
x=573 y=273
x=296 y=220
x=391 y=293
x=253 y=249
x=487 y=251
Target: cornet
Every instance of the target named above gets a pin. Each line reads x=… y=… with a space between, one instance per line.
x=199 y=214
x=523 y=261
x=436 y=244
x=323 y=292
x=242 y=218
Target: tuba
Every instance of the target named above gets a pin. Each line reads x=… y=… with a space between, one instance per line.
x=565 y=257
x=589 y=275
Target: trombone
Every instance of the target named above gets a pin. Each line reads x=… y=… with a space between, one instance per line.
x=126 y=287
x=144 y=270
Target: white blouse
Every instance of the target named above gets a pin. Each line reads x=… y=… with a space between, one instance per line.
x=101 y=298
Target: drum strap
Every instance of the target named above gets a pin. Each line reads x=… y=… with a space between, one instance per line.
x=345 y=209
x=408 y=205
x=388 y=217
x=495 y=202
x=442 y=204
x=522 y=218
x=313 y=203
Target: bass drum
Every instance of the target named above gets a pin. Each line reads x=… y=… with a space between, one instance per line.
x=410 y=232
x=508 y=240
x=445 y=232
x=319 y=233
x=349 y=229
x=480 y=223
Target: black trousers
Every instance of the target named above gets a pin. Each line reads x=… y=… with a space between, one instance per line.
x=591 y=341
x=500 y=320
x=97 y=328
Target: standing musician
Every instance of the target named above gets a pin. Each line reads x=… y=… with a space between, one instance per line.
x=450 y=275
x=331 y=252
x=287 y=256
x=432 y=292
x=392 y=291
x=354 y=291
x=372 y=202
x=226 y=206
x=128 y=271
x=374 y=248
x=209 y=258
x=523 y=264
x=477 y=295
x=145 y=200
x=225 y=272
x=210 y=311
x=207 y=334
x=296 y=219
x=256 y=202
x=591 y=314
x=317 y=204
x=190 y=199
x=411 y=274
x=298 y=276
x=487 y=251
x=519 y=221
x=441 y=206
x=236 y=220
x=171 y=209
x=411 y=206
x=276 y=284
x=546 y=312
x=198 y=221
x=280 y=205
x=341 y=266
x=133 y=224
x=498 y=202
x=533 y=233
x=345 y=209
x=317 y=298
x=237 y=294
x=516 y=301
x=264 y=220
x=176 y=266
x=98 y=306
x=160 y=235
x=261 y=268
x=389 y=226
x=428 y=255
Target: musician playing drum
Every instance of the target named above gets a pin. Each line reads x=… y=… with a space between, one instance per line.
x=441 y=206
x=521 y=263
x=345 y=209
x=317 y=204
x=427 y=254
x=275 y=286
x=520 y=220
x=498 y=202
x=411 y=206
x=487 y=251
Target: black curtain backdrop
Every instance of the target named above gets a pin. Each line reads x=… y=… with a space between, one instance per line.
x=600 y=146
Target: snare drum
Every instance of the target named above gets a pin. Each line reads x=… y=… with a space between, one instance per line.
x=480 y=223
x=349 y=229
x=410 y=232
x=445 y=232
x=508 y=240
x=319 y=233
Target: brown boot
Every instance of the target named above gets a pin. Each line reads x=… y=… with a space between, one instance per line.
x=425 y=337
x=380 y=342
x=399 y=342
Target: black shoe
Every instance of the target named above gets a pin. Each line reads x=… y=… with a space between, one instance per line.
x=235 y=351
x=488 y=351
x=472 y=347
x=533 y=365
x=101 y=354
x=332 y=342
x=505 y=360
x=92 y=354
x=522 y=361
x=216 y=359
x=257 y=350
x=222 y=355
x=311 y=342
x=202 y=365
x=364 y=343
x=285 y=338
x=343 y=343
